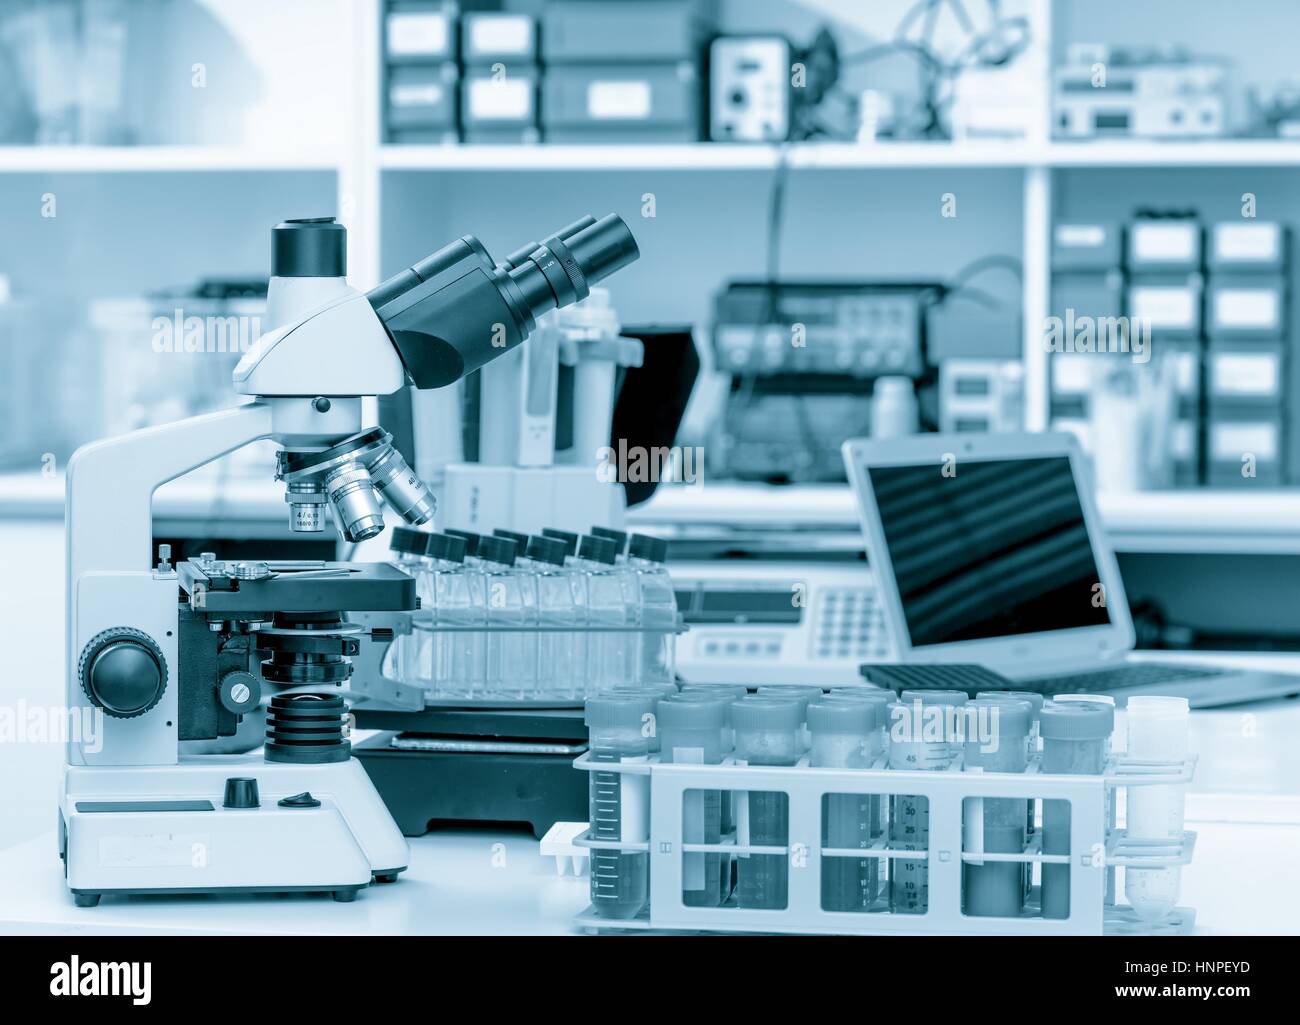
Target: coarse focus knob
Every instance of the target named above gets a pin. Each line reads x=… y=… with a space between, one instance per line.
x=122 y=670
x=239 y=692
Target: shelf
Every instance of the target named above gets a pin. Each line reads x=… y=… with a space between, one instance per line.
x=1207 y=520
x=705 y=156
x=29 y=159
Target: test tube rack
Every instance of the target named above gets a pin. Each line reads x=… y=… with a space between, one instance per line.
x=1095 y=848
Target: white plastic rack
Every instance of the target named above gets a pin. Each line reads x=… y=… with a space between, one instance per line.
x=1094 y=851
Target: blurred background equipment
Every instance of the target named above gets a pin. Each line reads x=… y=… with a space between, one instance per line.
x=1139 y=92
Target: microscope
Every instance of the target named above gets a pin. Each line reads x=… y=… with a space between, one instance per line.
x=161 y=656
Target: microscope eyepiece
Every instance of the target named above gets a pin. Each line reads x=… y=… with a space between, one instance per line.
x=455 y=310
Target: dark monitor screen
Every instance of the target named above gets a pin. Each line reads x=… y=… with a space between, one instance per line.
x=991 y=549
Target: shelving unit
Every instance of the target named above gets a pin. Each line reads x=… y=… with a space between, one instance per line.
x=372 y=180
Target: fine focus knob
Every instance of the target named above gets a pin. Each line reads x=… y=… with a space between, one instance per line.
x=239 y=692
x=123 y=671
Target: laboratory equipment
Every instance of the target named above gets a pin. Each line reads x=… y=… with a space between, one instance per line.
x=803 y=694
x=611 y=604
x=1148 y=92
x=996 y=733
x=690 y=728
x=893 y=408
x=561 y=605
x=1066 y=631
x=537 y=424
x=621 y=726
x=761 y=621
x=511 y=671
x=957 y=803
x=658 y=609
x=766 y=733
x=163 y=673
x=1158 y=729
x=843 y=734
x=798 y=356
x=922 y=737
x=1075 y=736
x=751 y=95
x=421 y=74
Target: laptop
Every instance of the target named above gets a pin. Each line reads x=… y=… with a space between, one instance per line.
x=988 y=550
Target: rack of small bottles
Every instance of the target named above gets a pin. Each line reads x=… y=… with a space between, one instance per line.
x=861 y=811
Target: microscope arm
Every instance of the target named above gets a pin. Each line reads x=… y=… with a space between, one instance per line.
x=110 y=483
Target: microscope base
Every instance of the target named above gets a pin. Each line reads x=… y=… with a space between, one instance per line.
x=163 y=829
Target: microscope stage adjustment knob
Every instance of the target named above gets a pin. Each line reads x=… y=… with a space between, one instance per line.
x=239 y=692
x=123 y=671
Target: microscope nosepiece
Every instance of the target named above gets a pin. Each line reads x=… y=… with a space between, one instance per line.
x=398 y=485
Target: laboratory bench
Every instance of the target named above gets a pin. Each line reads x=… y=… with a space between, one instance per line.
x=1244 y=806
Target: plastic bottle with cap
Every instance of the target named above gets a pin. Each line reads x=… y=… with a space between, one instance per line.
x=805 y=694
x=1112 y=797
x=1158 y=730
x=842 y=738
x=631 y=592
x=620 y=727
x=568 y=539
x=657 y=605
x=1031 y=749
x=511 y=600
x=729 y=692
x=561 y=650
x=881 y=699
x=611 y=608
x=690 y=731
x=1075 y=736
x=471 y=540
x=457 y=602
x=767 y=733
x=994 y=731
x=619 y=537
x=410 y=657
x=922 y=737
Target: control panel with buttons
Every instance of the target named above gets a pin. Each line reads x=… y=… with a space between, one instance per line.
x=760 y=622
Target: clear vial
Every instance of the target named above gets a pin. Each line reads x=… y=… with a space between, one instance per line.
x=658 y=608
x=561 y=656
x=611 y=604
x=409 y=658
x=511 y=603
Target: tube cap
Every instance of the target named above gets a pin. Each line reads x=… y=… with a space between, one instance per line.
x=761 y=713
x=1075 y=720
x=598 y=549
x=692 y=712
x=619 y=711
x=570 y=540
x=842 y=717
x=519 y=539
x=1032 y=696
x=445 y=546
x=309 y=247
x=875 y=693
x=408 y=541
x=619 y=537
x=546 y=549
x=471 y=539
x=803 y=693
x=1014 y=717
x=498 y=549
x=652 y=549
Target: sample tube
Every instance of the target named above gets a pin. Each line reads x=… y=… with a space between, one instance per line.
x=1031 y=749
x=620 y=727
x=1111 y=796
x=842 y=738
x=805 y=694
x=995 y=732
x=1158 y=730
x=767 y=733
x=881 y=700
x=690 y=730
x=921 y=733
x=1075 y=736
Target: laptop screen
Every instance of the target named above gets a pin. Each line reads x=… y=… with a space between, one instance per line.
x=995 y=548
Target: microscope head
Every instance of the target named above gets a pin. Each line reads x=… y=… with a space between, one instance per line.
x=454 y=311
x=432 y=324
